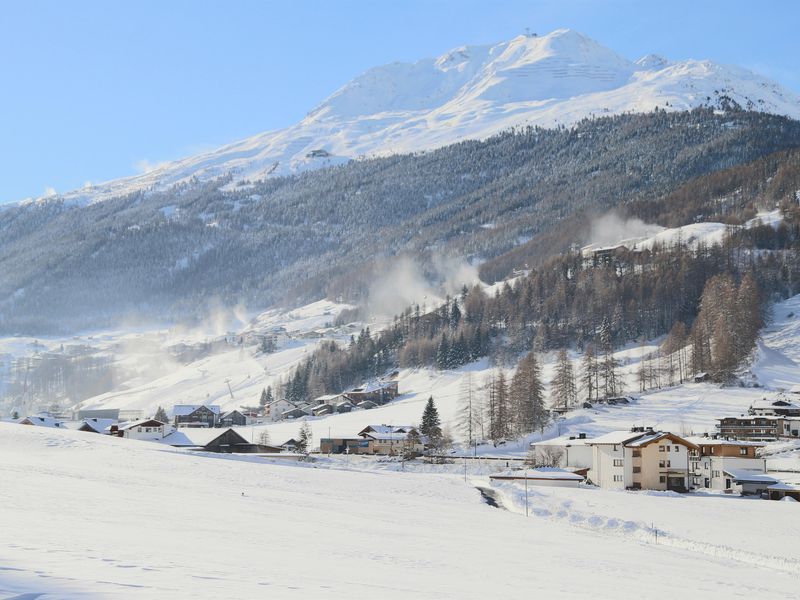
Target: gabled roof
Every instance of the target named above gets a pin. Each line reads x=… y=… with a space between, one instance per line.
x=142 y=423
x=614 y=437
x=197 y=438
x=230 y=412
x=386 y=429
x=651 y=437
x=98 y=425
x=744 y=476
x=41 y=421
x=182 y=410
x=708 y=441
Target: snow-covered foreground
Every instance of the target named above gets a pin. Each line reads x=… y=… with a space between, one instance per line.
x=92 y=516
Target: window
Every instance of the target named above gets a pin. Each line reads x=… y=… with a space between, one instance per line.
x=743 y=451
x=662 y=479
x=637 y=469
x=637 y=454
x=615 y=447
x=715 y=473
x=662 y=449
x=677 y=448
x=139 y=430
x=661 y=464
x=617 y=478
x=617 y=462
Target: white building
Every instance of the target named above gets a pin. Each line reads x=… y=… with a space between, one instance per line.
x=640 y=459
x=718 y=463
x=276 y=408
x=566 y=451
x=149 y=429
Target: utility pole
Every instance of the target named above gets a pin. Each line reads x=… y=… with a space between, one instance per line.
x=526 y=492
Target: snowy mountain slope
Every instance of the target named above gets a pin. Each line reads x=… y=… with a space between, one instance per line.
x=141 y=521
x=470 y=92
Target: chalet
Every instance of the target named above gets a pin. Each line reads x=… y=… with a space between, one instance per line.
x=567 y=451
x=378 y=391
x=366 y=405
x=390 y=439
x=294 y=413
x=42 y=421
x=233 y=417
x=758 y=428
x=215 y=440
x=96 y=425
x=323 y=409
x=290 y=445
x=195 y=415
x=640 y=459
x=713 y=462
x=331 y=399
x=775 y=407
x=276 y=408
x=148 y=429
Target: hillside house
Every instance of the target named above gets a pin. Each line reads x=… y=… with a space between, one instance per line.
x=148 y=429
x=95 y=425
x=233 y=417
x=566 y=451
x=294 y=413
x=276 y=408
x=391 y=439
x=42 y=421
x=215 y=440
x=640 y=459
x=776 y=407
x=378 y=391
x=781 y=490
x=759 y=428
x=716 y=462
x=195 y=415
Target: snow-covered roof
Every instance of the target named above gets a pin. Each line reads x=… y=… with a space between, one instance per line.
x=698 y=440
x=373 y=386
x=385 y=437
x=550 y=473
x=782 y=485
x=614 y=437
x=141 y=423
x=98 y=425
x=564 y=440
x=181 y=410
x=194 y=437
x=743 y=475
x=387 y=429
x=41 y=421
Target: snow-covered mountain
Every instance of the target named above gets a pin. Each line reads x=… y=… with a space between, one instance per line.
x=470 y=92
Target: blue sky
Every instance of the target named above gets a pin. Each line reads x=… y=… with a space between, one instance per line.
x=92 y=91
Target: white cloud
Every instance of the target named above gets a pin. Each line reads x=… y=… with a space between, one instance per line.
x=49 y=191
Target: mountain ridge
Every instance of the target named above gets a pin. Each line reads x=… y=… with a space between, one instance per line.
x=470 y=92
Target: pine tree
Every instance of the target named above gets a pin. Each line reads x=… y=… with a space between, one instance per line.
x=527 y=396
x=304 y=438
x=563 y=389
x=161 y=415
x=263 y=400
x=431 y=424
x=443 y=354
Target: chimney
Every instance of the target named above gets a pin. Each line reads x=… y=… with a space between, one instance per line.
x=581 y=436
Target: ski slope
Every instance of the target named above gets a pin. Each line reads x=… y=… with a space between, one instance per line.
x=89 y=516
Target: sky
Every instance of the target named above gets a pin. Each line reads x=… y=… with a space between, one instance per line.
x=95 y=90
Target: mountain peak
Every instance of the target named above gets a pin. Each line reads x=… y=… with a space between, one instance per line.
x=470 y=92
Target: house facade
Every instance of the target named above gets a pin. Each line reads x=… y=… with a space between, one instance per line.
x=640 y=459
x=233 y=418
x=149 y=429
x=568 y=451
x=717 y=464
x=759 y=428
x=194 y=415
x=391 y=439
